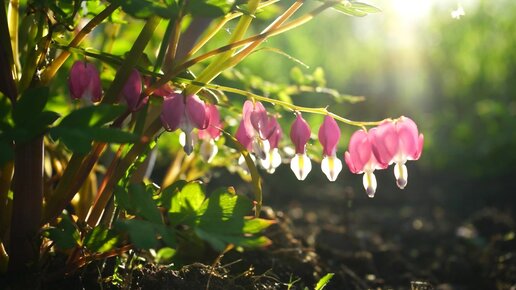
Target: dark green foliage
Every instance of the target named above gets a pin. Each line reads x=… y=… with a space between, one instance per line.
x=83 y=126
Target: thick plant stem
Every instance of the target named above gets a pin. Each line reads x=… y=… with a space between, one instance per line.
x=27 y=201
x=52 y=69
x=6 y=174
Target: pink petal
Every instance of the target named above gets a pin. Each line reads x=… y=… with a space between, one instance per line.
x=349 y=162
x=212 y=131
x=196 y=112
x=132 y=91
x=84 y=81
x=242 y=137
x=172 y=111
x=385 y=142
x=277 y=133
x=247 y=109
x=359 y=151
x=329 y=136
x=408 y=137
x=300 y=134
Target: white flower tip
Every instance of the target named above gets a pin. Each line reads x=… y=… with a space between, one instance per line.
x=401 y=174
x=370 y=192
x=260 y=148
x=369 y=181
x=272 y=161
x=331 y=167
x=301 y=166
x=208 y=150
x=401 y=183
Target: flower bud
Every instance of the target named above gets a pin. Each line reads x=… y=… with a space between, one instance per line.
x=84 y=82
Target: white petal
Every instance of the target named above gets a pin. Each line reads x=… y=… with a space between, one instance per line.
x=272 y=161
x=182 y=139
x=401 y=174
x=369 y=181
x=189 y=143
x=331 y=166
x=260 y=147
x=208 y=150
x=301 y=166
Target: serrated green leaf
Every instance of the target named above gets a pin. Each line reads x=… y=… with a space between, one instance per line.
x=256 y=225
x=324 y=281
x=184 y=204
x=142 y=233
x=93 y=116
x=64 y=235
x=143 y=204
x=100 y=240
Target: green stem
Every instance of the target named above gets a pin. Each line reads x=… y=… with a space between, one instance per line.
x=104 y=196
x=7 y=66
x=175 y=31
x=232 y=46
x=214 y=68
x=13 y=14
x=52 y=69
x=164 y=46
x=131 y=60
x=295 y=108
x=212 y=32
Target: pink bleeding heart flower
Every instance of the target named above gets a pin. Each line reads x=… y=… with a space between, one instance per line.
x=208 y=136
x=258 y=128
x=132 y=91
x=329 y=136
x=84 y=82
x=360 y=159
x=300 y=134
x=273 y=158
x=398 y=141
x=185 y=113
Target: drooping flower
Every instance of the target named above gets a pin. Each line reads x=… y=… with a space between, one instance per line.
x=329 y=135
x=210 y=134
x=132 y=91
x=185 y=113
x=257 y=125
x=398 y=141
x=360 y=159
x=300 y=134
x=162 y=91
x=84 y=82
x=273 y=158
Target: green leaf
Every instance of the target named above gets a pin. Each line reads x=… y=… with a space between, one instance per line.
x=31 y=103
x=209 y=8
x=81 y=127
x=324 y=281
x=65 y=235
x=256 y=225
x=6 y=151
x=145 y=8
x=143 y=204
x=93 y=116
x=142 y=233
x=170 y=191
x=100 y=240
x=184 y=204
x=358 y=9
x=165 y=255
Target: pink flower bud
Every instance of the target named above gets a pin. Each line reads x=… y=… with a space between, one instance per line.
x=84 y=82
x=132 y=91
x=258 y=126
x=329 y=135
x=300 y=134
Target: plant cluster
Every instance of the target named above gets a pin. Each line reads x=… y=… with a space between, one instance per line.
x=50 y=199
